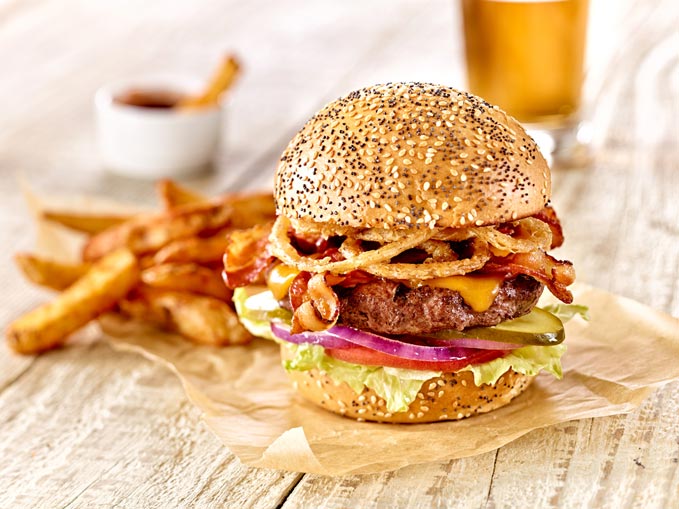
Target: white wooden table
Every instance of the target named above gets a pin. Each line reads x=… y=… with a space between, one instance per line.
x=88 y=426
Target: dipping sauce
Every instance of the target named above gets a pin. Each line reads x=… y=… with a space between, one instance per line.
x=155 y=99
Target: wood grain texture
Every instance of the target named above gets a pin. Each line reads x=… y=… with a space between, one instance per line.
x=91 y=427
x=88 y=426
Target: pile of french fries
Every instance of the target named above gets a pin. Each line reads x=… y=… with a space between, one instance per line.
x=161 y=267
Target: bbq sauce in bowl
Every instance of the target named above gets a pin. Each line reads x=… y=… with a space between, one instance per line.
x=152 y=99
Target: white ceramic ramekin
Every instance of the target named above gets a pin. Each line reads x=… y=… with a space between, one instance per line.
x=154 y=143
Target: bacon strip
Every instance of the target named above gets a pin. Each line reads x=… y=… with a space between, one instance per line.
x=554 y=274
x=246 y=256
x=315 y=304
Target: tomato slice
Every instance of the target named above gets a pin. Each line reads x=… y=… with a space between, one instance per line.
x=367 y=357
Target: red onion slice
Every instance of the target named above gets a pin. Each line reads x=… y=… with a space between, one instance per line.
x=315 y=338
x=342 y=337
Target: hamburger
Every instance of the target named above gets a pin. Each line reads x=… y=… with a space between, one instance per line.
x=402 y=272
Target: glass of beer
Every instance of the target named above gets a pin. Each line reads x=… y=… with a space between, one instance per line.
x=527 y=56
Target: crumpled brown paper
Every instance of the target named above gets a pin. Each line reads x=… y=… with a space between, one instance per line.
x=612 y=363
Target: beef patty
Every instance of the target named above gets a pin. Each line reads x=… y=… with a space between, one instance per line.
x=389 y=307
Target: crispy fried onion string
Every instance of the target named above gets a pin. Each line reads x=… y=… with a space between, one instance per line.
x=438 y=251
x=376 y=262
x=284 y=251
x=529 y=234
x=427 y=270
x=320 y=309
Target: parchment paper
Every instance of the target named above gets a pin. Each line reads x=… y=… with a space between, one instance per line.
x=613 y=362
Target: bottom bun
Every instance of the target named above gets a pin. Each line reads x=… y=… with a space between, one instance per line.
x=449 y=397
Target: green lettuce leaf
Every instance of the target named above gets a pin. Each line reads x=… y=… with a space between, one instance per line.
x=398 y=387
x=529 y=360
x=566 y=312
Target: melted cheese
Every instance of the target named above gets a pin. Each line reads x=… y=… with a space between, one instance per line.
x=279 y=280
x=477 y=291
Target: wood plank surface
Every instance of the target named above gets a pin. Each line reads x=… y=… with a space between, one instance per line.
x=88 y=426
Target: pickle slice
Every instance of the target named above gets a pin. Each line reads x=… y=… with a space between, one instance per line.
x=539 y=327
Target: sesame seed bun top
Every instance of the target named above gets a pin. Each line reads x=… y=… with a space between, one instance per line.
x=411 y=155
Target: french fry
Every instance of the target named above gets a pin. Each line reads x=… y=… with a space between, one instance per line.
x=49 y=273
x=138 y=306
x=163 y=268
x=173 y=195
x=97 y=291
x=204 y=251
x=220 y=83
x=202 y=320
x=250 y=209
x=188 y=277
x=85 y=223
x=147 y=233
